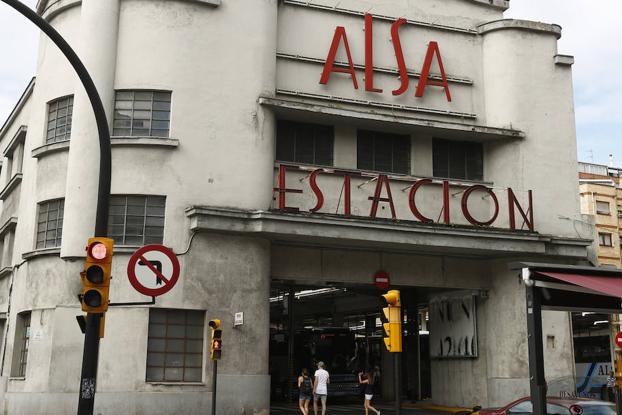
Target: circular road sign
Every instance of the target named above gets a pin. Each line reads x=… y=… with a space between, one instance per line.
x=619 y=340
x=153 y=270
x=382 y=280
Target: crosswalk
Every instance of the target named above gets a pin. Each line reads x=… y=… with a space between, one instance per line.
x=342 y=409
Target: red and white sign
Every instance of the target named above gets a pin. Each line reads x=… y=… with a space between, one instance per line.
x=382 y=280
x=153 y=270
x=619 y=340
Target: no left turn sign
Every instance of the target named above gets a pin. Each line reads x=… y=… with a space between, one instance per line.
x=153 y=270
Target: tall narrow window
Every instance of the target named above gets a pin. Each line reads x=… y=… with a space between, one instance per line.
x=136 y=220
x=50 y=223
x=60 y=112
x=458 y=159
x=305 y=143
x=142 y=114
x=20 y=347
x=383 y=152
x=604 y=239
x=175 y=346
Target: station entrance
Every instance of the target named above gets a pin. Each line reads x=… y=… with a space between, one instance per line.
x=341 y=325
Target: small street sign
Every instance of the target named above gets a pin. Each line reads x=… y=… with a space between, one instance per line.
x=619 y=340
x=382 y=280
x=153 y=270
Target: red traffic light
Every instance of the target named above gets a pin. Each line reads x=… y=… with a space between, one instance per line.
x=98 y=250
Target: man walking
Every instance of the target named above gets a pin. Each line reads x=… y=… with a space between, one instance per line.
x=320 y=388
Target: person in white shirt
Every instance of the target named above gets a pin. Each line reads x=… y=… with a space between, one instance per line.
x=320 y=387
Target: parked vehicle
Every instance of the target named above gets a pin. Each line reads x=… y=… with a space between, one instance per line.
x=555 y=406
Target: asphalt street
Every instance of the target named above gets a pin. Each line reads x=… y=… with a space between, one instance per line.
x=350 y=409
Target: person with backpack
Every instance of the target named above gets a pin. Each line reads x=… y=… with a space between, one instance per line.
x=305 y=386
x=368 y=380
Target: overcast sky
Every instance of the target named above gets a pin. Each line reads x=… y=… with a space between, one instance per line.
x=591 y=32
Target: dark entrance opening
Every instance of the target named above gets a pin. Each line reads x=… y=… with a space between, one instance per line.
x=341 y=325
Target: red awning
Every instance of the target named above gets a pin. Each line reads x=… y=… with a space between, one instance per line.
x=611 y=286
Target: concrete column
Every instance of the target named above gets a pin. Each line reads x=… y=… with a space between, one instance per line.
x=98 y=50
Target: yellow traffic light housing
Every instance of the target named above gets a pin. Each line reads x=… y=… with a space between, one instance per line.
x=216 y=343
x=96 y=275
x=393 y=314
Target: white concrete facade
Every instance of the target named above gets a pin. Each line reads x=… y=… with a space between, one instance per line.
x=235 y=67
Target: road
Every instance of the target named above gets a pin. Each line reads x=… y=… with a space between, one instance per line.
x=349 y=409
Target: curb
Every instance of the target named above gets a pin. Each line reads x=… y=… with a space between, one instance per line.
x=440 y=408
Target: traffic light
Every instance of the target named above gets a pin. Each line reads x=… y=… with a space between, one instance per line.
x=216 y=345
x=393 y=339
x=96 y=275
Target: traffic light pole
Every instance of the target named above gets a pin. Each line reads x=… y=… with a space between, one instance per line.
x=91 y=338
x=397 y=384
x=214 y=377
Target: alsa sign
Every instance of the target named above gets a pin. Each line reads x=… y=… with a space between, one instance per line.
x=432 y=53
x=383 y=194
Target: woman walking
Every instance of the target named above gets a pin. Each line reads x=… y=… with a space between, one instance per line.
x=305 y=386
x=368 y=380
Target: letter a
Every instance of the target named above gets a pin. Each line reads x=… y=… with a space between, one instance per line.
x=329 y=66
x=425 y=72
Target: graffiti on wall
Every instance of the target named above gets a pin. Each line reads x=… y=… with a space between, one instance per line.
x=453 y=327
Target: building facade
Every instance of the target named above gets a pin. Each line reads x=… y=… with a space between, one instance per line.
x=601 y=199
x=287 y=144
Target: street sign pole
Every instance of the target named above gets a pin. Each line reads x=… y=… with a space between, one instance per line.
x=214 y=377
x=398 y=382
x=91 y=338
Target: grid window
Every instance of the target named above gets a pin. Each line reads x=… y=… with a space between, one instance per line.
x=604 y=239
x=602 y=208
x=50 y=223
x=458 y=159
x=20 y=348
x=175 y=346
x=59 y=119
x=383 y=152
x=142 y=113
x=305 y=143
x=136 y=220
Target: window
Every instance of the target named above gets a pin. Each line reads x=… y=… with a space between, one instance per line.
x=50 y=223
x=602 y=208
x=305 y=143
x=604 y=239
x=175 y=346
x=7 y=239
x=142 y=114
x=383 y=152
x=524 y=407
x=136 y=220
x=458 y=159
x=20 y=347
x=14 y=154
x=59 y=119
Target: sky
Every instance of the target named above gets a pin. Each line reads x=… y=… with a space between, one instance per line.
x=590 y=30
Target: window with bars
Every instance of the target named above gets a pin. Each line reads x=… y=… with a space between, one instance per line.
x=305 y=143
x=175 y=345
x=60 y=112
x=458 y=159
x=383 y=152
x=50 y=223
x=20 y=347
x=136 y=220
x=142 y=113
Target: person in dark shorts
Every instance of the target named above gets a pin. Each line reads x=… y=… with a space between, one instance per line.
x=368 y=380
x=305 y=386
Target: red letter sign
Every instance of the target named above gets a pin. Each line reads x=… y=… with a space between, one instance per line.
x=413 y=204
x=425 y=72
x=382 y=179
x=282 y=190
x=465 y=207
x=399 y=55
x=316 y=189
x=330 y=60
x=526 y=220
x=369 y=54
